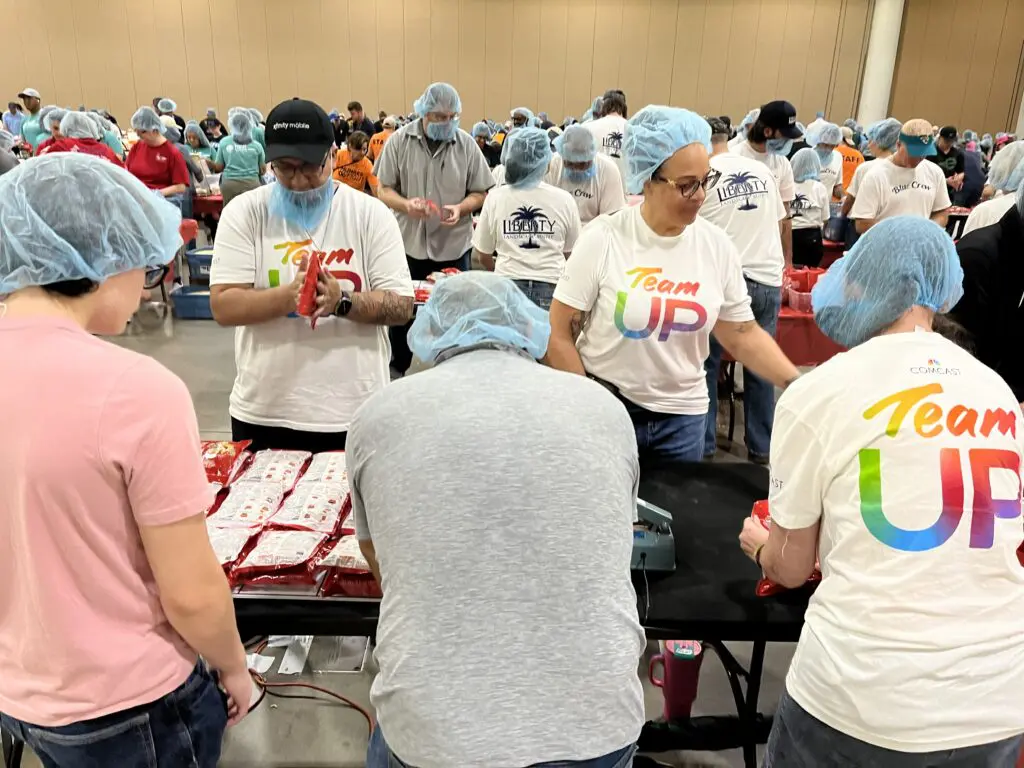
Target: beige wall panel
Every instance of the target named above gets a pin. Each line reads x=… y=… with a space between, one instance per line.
x=792 y=68
x=634 y=57
x=931 y=88
x=120 y=97
x=15 y=76
x=554 y=28
x=444 y=41
x=526 y=53
x=362 y=18
x=1002 y=95
x=981 y=65
x=692 y=29
x=913 y=41
x=417 y=49
x=711 y=83
x=311 y=63
x=769 y=51
x=498 y=98
x=334 y=34
x=145 y=70
x=607 y=46
x=279 y=24
x=848 y=62
x=473 y=78
x=579 y=50
x=818 y=60
x=740 y=62
x=391 y=57
x=661 y=48
x=199 y=62
x=60 y=34
x=90 y=51
x=253 y=46
x=226 y=58
x=169 y=55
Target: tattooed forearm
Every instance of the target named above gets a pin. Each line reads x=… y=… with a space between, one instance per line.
x=380 y=308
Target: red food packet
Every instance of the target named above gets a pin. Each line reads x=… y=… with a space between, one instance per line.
x=312 y=507
x=248 y=505
x=451 y=271
x=765 y=586
x=228 y=544
x=281 y=467
x=220 y=458
x=348 y=523
x=307 y=296
x=282 y=557
x=327 y=468
x=347 y=572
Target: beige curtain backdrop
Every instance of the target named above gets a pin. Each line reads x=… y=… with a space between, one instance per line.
x=714 y=56
x=961 y=63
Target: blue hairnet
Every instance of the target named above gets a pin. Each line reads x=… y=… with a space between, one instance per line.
x=53 y=118
x=256 y=115
x=7 y=139
x=166 y=105
x=1007 y=167
x=482 y=130
x=1020 y=200
x=439 y=97
x=192 y=128
x=522 y=111
x=899 y=263
x=146 y=119
x=240 y=126
x=78 y=125
x=43 y=113
x=824 y=133
x=750 y=118
x=595 y=108
x=526 y=162
x=101 y=122
x=478 y=307
x=885 y=133
x=853 y=125
x=172 y=134
x=653 y=135
x=576 y=145
x=103 y=222
x=806 y=165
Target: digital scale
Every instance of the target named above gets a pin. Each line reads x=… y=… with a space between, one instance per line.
x=654 y=547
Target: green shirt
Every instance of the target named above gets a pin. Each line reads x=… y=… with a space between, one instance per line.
x=208 y=153
x=33 y=132
x=259 y=136
x=240 y=161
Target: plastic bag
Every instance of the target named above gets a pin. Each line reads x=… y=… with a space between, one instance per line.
x=281 y=557
x=347 y=571
x=248 y=505
x=228 y=544
x=765 y=586
x=218 y=497
x=348 y=524
x=220 y=458
x=281 y=467
x=327 y=468
x=306 y=306
x=312 y=507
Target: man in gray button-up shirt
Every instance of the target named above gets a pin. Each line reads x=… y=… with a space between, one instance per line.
x=433 y=176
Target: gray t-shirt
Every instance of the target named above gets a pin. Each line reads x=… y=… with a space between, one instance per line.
x=499 y=495
x=446 y=175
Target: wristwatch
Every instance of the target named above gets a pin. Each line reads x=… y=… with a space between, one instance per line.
x=345 y=305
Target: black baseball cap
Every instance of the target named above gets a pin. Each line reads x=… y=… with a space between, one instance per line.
x=948 y=132
x=780 y=116
x=298 y=128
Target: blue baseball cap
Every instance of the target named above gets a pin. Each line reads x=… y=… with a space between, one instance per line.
x=918 y=146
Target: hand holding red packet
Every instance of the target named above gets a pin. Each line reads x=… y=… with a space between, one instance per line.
x=307 y=296
x=765 y=586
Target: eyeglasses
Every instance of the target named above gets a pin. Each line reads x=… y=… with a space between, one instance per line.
x=441 y=117
x=309 y=170
x=688 y=188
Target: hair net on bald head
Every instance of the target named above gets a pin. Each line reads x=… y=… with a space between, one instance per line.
x=806 y=165
x=439 y=97
x=656 y=133
x=235 y=111
x=885 y=133
x=475 y=308
x=527 y=158
x=256 y=115
x=899 y=263
x=482 y=130
x=78 y=125
x=103 y=222
x=192 y=128
x=240 y=126
x=7 y=139
x=53 y=118
x=824 y=133
x=146 y=119
x=1007 y=168
x=576 y=145
x=166 y=105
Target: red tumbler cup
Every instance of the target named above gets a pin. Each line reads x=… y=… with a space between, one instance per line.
x=680 y=663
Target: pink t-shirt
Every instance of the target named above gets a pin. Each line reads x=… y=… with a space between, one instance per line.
x=95 y=441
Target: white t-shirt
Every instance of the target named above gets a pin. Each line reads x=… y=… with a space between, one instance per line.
x=810 y=207
x=288 y=374
x=746 y=204
x=608 y=133
x=778 y=164
x=498 y=173
x=914 y=640
x=832 y=174
x=652 y=302
x=531 y=230
x=989 y=212
x=601 y=193
x=858 y=176
x=889 y=190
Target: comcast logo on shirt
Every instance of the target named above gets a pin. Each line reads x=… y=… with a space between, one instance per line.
x=935 y=368
x=528 y=222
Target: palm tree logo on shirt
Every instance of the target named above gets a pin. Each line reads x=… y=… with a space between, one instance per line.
x=800 y=202
x=741 y=182
x=613 y=143
x=530 y=221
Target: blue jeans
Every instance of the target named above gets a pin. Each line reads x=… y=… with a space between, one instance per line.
x=379 y=756
x=660 y=437
x=182 y=729
x=537 y=291
x=758 y=394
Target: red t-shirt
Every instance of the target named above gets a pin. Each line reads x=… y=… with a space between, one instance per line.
x=87 y=146
x=41 y=149
x=157 y=167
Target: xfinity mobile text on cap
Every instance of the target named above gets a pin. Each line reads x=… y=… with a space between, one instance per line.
x=298 y=128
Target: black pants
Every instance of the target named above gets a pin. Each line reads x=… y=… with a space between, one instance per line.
x=807 y=248
x=419 y=269
x=286 y=439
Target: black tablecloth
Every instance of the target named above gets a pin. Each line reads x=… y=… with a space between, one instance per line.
x=711 y=593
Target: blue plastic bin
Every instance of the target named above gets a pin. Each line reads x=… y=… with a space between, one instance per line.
x=199 y=261
x=192 y=302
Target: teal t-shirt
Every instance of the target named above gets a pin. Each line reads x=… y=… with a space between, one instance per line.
x=259 y=136
x=113 y=140
x=206 y=152
x=33 y=132
x=240 y=161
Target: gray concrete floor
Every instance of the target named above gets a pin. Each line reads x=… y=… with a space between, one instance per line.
x=306 y=734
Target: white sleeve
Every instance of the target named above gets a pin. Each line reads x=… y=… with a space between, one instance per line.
x=735 y=298
x=942 y=200
x=580 y=283
x=611 y=196
x=386 y=266
x=797 y=487
x=554 y=172
x=787 y=187
x=485 y=239
x=234 y=250
x=823 y=202
x=780 y=207
x=858 y=174
x=572 y=225
x=869 y=202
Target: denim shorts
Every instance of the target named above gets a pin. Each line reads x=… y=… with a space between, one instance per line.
x=184 y=729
